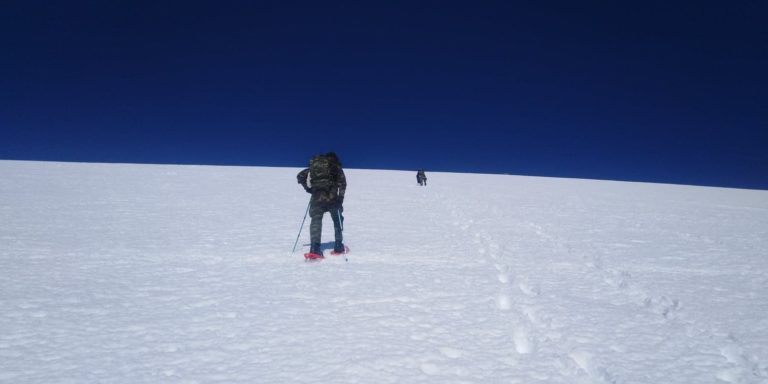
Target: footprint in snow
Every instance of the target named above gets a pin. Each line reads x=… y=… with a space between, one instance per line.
x=532 y=314
x=529 y=289
x=587 y=363
x=663 y=305
x=503 y=302
x=522 y=340
x=619 y=279
x=743 y=367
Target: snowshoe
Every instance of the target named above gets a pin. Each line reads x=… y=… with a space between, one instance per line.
x=313 y=256
x=337 y=253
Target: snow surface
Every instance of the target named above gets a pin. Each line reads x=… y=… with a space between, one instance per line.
x=183 y=274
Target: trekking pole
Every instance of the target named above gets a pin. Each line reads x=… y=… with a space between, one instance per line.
x=341 y=225
x=300 y=228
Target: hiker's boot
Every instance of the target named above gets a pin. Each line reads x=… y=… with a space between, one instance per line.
x=315 y=249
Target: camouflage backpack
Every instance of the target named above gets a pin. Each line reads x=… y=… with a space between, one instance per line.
x=321 y=174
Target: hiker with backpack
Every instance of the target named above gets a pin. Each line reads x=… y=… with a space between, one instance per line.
x=325 y=180
x=421 y=177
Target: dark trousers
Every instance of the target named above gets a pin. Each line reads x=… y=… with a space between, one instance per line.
x=316 y=212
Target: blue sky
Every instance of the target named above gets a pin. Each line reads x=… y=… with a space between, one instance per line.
x=673 y=92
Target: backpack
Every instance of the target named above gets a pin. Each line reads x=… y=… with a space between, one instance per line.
x=321 y=175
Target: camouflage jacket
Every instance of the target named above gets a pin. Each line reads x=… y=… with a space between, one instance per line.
x=325 y=196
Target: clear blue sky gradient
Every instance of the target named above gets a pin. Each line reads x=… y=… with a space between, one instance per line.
x=658 y=91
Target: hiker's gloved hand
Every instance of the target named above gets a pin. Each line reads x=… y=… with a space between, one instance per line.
x=308 y=189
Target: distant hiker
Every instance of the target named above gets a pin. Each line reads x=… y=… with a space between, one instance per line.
x=421 y=178
x=325 y=180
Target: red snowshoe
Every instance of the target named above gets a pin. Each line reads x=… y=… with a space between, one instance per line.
x=346 y=250
x=313 y=256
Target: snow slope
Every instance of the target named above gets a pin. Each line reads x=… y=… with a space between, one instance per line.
x=183 y=274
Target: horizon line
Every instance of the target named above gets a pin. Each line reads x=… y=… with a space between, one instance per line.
x=200 y=164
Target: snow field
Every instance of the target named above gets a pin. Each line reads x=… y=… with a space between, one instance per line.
x=183 y=274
